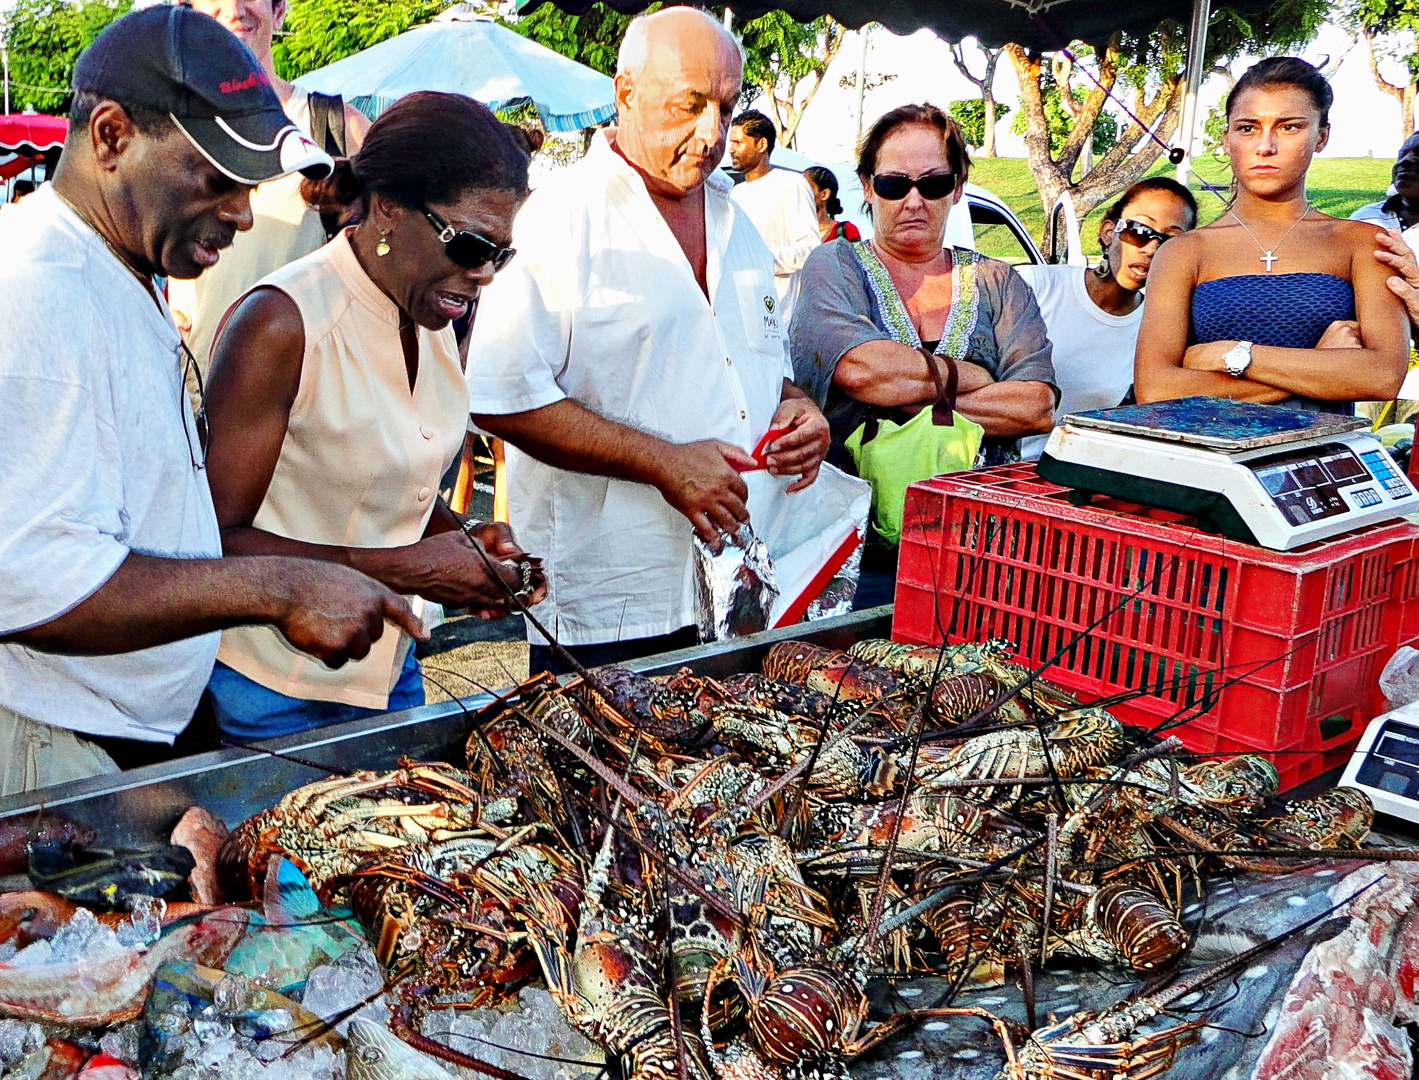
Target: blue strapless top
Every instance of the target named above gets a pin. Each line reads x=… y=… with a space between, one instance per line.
x=1287 y=311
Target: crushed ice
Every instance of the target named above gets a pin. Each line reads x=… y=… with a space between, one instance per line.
x=534 y=1024
x=18 y=1038
x=332 y=989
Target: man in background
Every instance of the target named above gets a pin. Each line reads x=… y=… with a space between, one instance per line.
x=1400 y=210
x=283 y=227
x=778 y=201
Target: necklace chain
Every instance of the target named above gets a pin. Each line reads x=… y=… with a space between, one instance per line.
x=1269 y=256
x=145 y=279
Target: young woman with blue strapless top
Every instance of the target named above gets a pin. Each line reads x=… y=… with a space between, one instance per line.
x=1274 y=302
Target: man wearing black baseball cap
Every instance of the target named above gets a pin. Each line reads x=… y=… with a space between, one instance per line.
x=110 y=555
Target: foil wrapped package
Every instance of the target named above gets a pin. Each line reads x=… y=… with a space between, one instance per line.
x=736 y=586
x=841 y=590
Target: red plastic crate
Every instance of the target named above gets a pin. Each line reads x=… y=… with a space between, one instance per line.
x=1263 y=650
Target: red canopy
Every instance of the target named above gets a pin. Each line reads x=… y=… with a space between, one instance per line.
x=31 y=133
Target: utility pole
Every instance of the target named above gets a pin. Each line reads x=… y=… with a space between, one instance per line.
x=861 y=82
x=1196 y=47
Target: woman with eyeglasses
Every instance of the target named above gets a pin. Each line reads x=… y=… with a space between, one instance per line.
x=1093 y=314
x=1274 y=302
x=890 y=326
x=337 y=400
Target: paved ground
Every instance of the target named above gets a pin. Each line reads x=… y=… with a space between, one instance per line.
x=467 y=655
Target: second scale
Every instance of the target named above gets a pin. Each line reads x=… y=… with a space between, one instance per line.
x=1280 y=478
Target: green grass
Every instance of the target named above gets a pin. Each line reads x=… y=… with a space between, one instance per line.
x=1338 y=186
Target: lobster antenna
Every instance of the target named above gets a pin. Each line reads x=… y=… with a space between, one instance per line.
x=576 y=665
x=829 y=715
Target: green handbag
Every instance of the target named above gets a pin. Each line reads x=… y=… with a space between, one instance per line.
x=934 y=441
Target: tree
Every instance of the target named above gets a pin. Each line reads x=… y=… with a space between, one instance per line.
x=1061 y=115
x=319 y=32
x=44 y=39
x=1391 y=32
x=592 y=39
x=1146 y=73
x=785 y=61
x=990 y=110
x=971 y=116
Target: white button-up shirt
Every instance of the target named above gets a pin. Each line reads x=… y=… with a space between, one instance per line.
x=601 y=306
x=781 y=207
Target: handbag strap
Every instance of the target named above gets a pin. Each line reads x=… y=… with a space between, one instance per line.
x=943 y=410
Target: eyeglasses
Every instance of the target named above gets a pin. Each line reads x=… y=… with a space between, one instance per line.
x=197 y=453
x=468 y=249
x=896 y=186
x=1137 y=234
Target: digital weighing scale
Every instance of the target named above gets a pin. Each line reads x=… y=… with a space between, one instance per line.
x=1280 y=478
x=1386 y=763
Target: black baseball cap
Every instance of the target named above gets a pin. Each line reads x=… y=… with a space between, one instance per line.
x=188 y=66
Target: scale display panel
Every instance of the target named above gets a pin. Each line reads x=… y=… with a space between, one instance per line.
x=1306 y=485
x=1386 y=763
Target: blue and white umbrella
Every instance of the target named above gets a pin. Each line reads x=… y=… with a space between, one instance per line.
x=464 y=53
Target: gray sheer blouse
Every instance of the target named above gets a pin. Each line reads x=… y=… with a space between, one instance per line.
x=836 y=312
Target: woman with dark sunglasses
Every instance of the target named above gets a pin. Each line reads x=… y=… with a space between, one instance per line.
x=1093 y=313
x=881 y=322
x=337 y=400
x=1274 y=302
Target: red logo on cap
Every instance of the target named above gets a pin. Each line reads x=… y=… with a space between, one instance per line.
x=256 y=78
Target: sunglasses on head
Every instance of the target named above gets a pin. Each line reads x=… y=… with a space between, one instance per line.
x=468 y=249
x=1137 y=234
x=896 y=186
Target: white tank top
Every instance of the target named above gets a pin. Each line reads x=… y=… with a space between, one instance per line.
x=361 y=461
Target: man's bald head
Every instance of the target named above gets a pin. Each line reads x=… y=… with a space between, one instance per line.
x=635 y=45
x=678 y=78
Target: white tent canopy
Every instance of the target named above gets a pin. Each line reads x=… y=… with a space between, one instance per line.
x=461 y=52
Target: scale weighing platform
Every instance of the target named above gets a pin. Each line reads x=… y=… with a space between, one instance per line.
x=1266 y=475
x=1386 y=763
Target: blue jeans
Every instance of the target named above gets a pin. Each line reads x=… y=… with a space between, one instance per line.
x=246 y=710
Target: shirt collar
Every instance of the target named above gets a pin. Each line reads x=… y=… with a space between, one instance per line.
x=604 y=157
x=347 y=265
x=719 y=209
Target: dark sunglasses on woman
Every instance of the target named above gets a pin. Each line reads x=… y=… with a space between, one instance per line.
x=468 y=249
x=1137 y=234
x=896 y=186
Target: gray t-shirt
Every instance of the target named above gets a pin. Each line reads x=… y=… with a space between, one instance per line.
x=837 y=311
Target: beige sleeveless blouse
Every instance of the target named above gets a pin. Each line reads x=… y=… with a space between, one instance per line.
x=361 y=461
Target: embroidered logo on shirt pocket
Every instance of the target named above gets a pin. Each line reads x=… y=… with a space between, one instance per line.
x=759 y=306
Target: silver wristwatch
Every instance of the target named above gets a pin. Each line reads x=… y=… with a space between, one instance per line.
x=1237 y=359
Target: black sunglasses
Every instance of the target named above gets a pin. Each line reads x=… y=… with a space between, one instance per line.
x=896 y=186
x=1137 y=234
x=192 y=372
x=468 y=249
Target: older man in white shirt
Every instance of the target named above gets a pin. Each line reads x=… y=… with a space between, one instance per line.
x=778 y=201
x=634 y=354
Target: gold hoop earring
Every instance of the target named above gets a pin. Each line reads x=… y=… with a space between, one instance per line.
x=382 y=248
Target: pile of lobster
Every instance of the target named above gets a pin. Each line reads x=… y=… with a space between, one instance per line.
x=707 y=874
